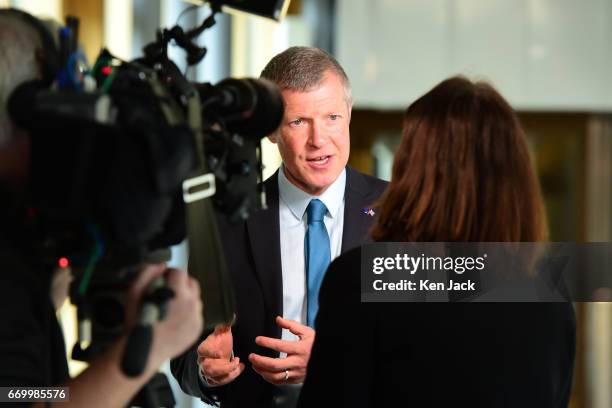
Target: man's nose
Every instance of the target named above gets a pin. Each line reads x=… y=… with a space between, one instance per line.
x=317 y=135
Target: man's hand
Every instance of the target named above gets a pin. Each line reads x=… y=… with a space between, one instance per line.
x=289 y=370
x=215 y=357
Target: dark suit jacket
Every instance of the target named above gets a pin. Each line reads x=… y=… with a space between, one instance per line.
x=253 y=255
x=435 y=354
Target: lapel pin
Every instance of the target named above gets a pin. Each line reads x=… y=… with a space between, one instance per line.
x=368 y=211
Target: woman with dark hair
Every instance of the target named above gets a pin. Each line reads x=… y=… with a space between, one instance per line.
x=462 y=173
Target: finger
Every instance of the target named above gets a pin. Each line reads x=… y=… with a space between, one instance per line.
x=138 y=287
x=206 y=351
x=293 y=364
x=201 y=359
x=294 y=378
x=288 y=377
x=176 y=278
x=283 y=346
x=231 y=376
x=214 y=344
x=278 y=378
x=145 y=276
x=294 y=327
x=215 y=368
x=222 y=328
x=268 y=363
x=194 y=286
x=267 y=375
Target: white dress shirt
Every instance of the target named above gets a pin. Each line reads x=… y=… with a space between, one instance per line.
x=293 y=224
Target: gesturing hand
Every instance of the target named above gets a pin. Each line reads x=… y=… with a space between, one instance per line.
x=289 y=370
x=215 y=357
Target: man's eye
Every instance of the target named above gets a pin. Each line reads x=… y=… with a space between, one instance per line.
x=296 y=122
x=334 y=117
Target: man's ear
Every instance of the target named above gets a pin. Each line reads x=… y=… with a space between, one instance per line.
x=272 y=137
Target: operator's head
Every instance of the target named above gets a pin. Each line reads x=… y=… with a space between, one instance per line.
x=20 y=53
x=313 y=138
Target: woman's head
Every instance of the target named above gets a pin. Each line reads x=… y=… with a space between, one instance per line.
x=462 y=171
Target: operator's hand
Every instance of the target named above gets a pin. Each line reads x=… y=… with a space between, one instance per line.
x=215 y=357
x=60 y=284
x=289 y=370
x=104 y=384
x=183 y=323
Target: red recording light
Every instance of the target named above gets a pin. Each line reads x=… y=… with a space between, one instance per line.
x=107 y=70
x=63 y=262
x=31 y=212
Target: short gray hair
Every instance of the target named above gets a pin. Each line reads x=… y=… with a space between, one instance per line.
x=303 y=68
x=18 y=64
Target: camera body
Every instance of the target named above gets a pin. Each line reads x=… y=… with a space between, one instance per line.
x=126 y=157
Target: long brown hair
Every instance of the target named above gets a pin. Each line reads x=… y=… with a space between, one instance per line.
x=462 y=172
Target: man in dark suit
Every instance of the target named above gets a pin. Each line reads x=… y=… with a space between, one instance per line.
x=317 y=209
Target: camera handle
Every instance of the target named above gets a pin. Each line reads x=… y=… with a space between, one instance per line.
x=157 y=52
x=153 y=309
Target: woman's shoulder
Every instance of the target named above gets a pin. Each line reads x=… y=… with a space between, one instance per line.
x=350 y=258
x=343 y=277
x=346 y=268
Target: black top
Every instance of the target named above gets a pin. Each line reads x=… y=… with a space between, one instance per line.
x=252 y=251
x=435 y=354
x=32 y=351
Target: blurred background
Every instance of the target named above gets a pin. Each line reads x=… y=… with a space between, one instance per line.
x=551 y=59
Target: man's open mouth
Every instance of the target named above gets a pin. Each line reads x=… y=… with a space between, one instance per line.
x=319 y=159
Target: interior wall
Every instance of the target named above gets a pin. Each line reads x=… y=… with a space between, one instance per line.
x=91 y=30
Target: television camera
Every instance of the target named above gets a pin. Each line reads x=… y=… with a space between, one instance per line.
x=130 y=158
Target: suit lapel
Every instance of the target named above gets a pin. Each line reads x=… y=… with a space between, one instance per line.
x=263 y=231
x=264 y=237
x=357 y=196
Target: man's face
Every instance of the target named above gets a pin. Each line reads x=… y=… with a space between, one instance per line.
x=313 y=138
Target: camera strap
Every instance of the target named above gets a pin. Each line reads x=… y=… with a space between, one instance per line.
x=206 y=256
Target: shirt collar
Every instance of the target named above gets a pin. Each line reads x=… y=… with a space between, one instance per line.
x=297 y=200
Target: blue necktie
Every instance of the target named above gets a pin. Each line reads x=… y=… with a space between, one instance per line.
x=317 y=255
